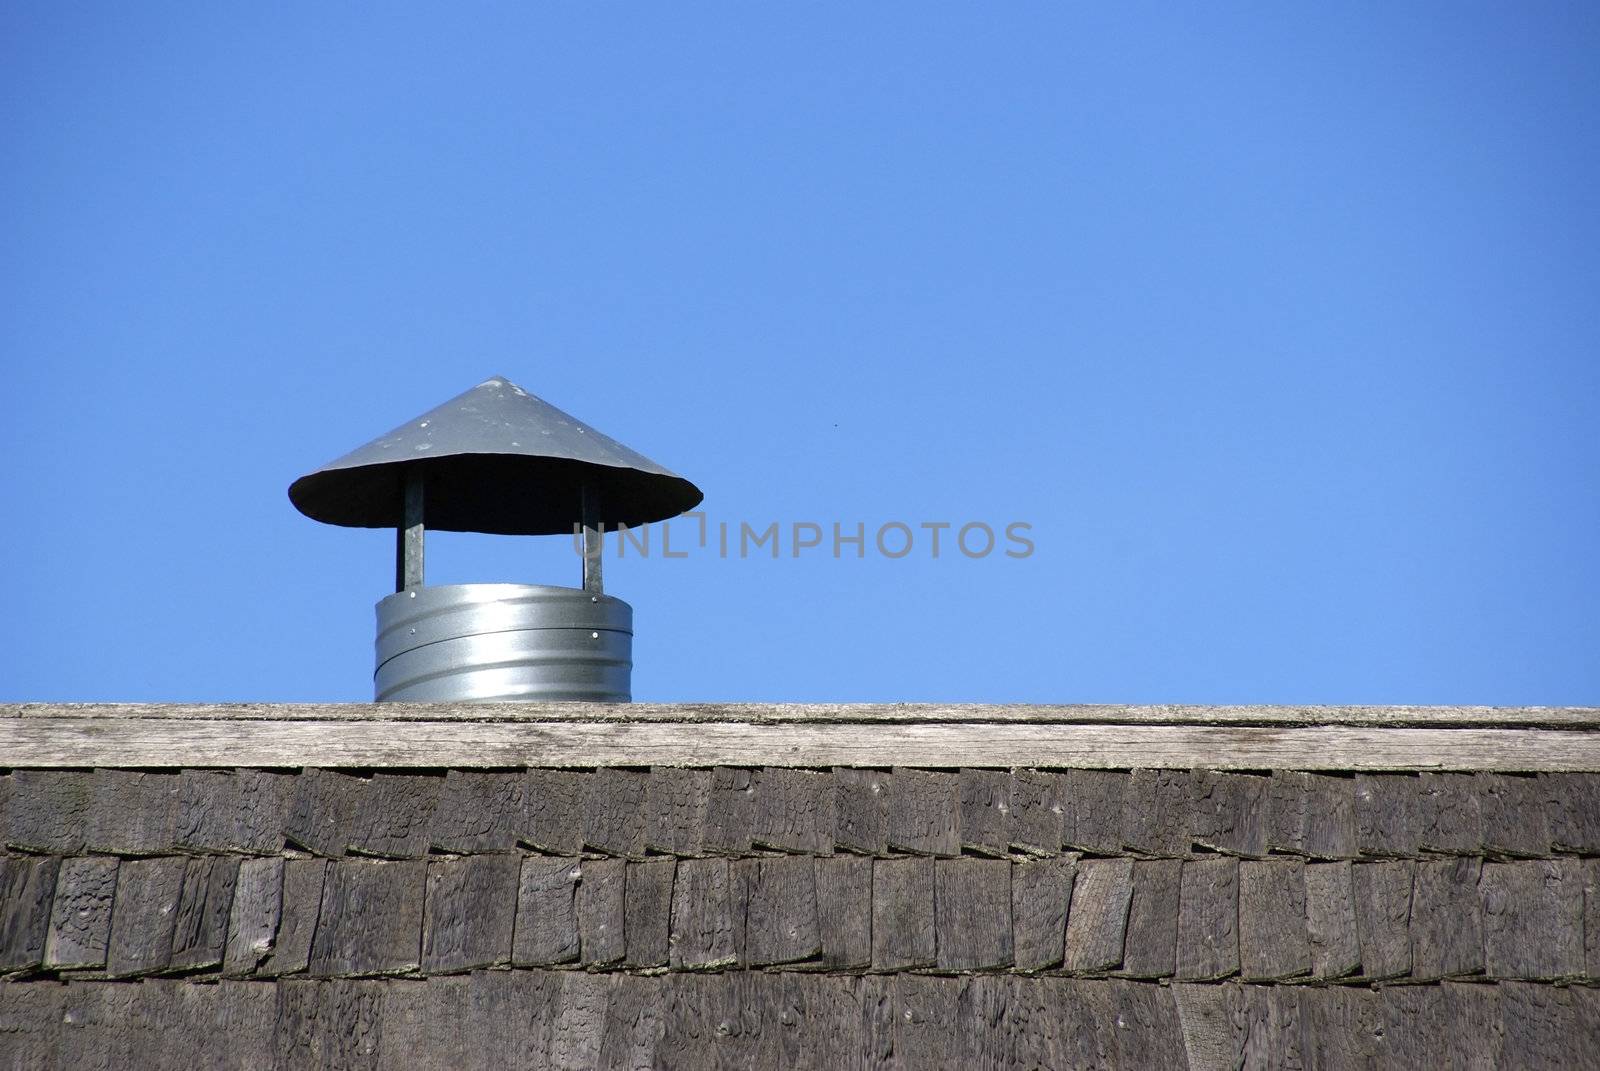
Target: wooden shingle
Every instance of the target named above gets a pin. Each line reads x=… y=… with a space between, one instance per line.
x=1155 y=813
x=132 y=812
x=775 y=911
x=371 y=918
x=1093 y=811
x=729 y=812
x=320 y=818
x=46 y=810
x=647 y=913
x=1229 y=812
x=1515 y=815
x=1533 y=919
x=1572 y=809
x=844 y=911
x=792 y=811
x=1388 y=815
x=26 y=889
x=1272 y=941
x=903 y=934
x=1098 y=919
x=702 y=915
x=142 y=913
x=1150 y=948
x=675 y=804
x=614 y=812
x=602 y=912
x=297 y=917
x=925 y=816
x=546 y=929
x=1474 y=1034
x=985 y=811
x=1208 y=919
x=478 y=811
x=553 y=802
x=200 y=924
x=1041 y=898
x=1448 y=813
x=972 y=913
x=1446 y=919
x=254 y=916
x=1383 y=894
x=80 y=917
x=1038 y=811
x=1331 y=920
x=470 y=912
x=860 y=824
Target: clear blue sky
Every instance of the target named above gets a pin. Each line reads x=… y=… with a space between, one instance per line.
x=1279 y=325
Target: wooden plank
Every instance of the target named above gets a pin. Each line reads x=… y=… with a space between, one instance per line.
x=552 y=810
x=1272 y=941
x=924 y=812
x=335 y=1023
x=478 y=811
x=1446 y=919
x=1388 y=815
x=1515 y=816
x=46 y=811
x=972 y=913
x=80 y=917
x=926 y=1010
x=371 y=918
x=859 y=821
x=1098 y=919
x=985 y=807
x=200 y=924
x=613 y=812
x=1274 y=1030
x=1342 y=1026
x=1208 y=919
x=702 y=915
x=470 y=912
x=297 y=917
x=633 y=1026
x=176 y=742
x=872 y=713
x=513 y=1014
x=547 y=915
x=844 y=911
x=1213 y=1025
x=1150 y=947
x=142 y=914
x=1572 y=807
x=1038 y=811
x=903 y=933
x=1093 y=818
x=1448 y=812
x=1041 y=899
x=1533 y=919
x=675 y=803
x=602 y=912
x=647 y=914
x=1383 y=893
x=1155 y=813
x=1331 y=920
x=132 y=813
x=775 y=911
x=792 y=811
x=1230 y=812
x=422 y=1023
x=254 y=917
x=26 y=889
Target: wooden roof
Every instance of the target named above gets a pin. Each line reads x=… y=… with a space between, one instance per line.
x=960 y=905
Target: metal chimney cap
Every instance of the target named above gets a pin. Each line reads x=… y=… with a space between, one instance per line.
x=498 y=460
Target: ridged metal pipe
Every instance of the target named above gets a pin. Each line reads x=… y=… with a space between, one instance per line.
x=503 y=642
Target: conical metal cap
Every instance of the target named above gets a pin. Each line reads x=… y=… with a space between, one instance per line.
x=495 y=459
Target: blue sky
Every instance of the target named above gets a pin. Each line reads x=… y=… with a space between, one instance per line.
x=1278 y=325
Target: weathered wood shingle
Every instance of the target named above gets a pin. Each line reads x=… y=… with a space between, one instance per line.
x=702 y=915
x=1331 y=928
x=255 y=915
x=80 y=916
x=1446 y=919
x=1532 y=919
x=478 y=811
x=546 y=929
x=602 y=912
x=903 y=933
x=1155 y=813
x=675 y=803
x=844 y=911
x=647 y=912
x=1150 y=948
x=793 y=811
x=614 y=812
x=143 y=908
x=1097 y=922
x=1208 y=919
x=26 y=890
x=200 y=924
x=1041 y=897
x=1229 y=812
x=371 y=918
x=299 y=912
x=470 y=913
x=1383 y=895
x=925 y=815
x=972 y=913
x=1272 y=941
x=860 y=824
x=775 y=911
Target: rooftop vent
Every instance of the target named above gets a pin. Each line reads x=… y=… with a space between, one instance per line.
x=497 y=459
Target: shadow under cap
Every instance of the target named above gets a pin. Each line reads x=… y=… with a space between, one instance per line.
x=498 y=460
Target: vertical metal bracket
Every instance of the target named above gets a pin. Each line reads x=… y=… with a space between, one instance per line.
x=408 y=544
x=594 y=531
